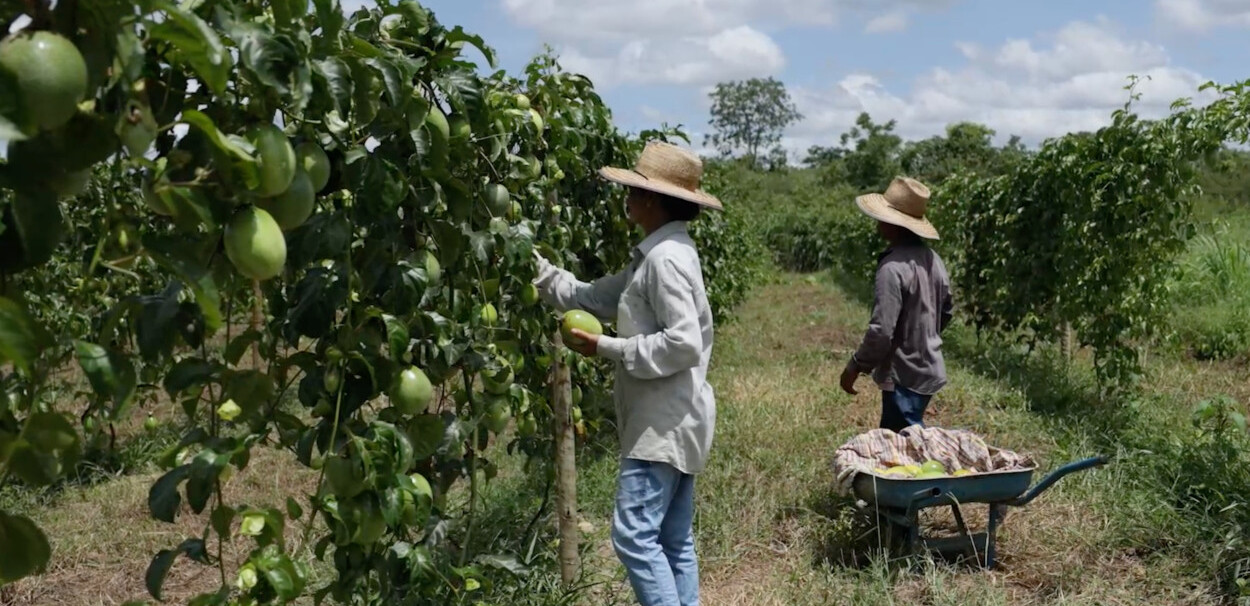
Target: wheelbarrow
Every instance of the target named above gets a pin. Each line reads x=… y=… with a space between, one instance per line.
x=898 y=502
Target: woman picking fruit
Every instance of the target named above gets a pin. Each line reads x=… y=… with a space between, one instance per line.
x=665 y=408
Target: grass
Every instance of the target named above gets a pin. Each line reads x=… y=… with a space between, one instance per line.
x=1147 y=529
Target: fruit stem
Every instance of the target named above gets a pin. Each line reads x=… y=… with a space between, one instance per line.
x=257 y=316
x=41 y=17
x=468 y=533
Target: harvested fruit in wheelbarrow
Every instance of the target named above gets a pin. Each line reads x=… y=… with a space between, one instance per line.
x=961 y=472
x=930 y=474
x=932 y=465
x=902 y=470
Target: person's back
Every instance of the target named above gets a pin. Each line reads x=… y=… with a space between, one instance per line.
x=923 y=309
x=912 y=306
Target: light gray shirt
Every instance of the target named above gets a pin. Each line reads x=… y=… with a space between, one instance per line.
x=911 y=308
x=665 y=408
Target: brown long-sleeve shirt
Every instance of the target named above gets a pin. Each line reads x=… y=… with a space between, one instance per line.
x=912 y=307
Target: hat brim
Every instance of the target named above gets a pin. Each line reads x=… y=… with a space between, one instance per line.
x=632 y=178
x=876 y=206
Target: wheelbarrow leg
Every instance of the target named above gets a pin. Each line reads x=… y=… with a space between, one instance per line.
x=991 y=534
x=959 y=520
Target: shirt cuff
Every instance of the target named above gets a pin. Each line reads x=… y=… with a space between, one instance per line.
x=612 y=348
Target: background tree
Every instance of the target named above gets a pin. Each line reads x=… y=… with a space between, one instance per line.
x=749 y=116
x=870 y=155
x=821 y=155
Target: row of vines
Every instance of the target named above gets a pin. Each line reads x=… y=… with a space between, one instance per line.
x=1083 y=233
x=313 y=231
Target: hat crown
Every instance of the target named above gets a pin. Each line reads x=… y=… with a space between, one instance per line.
x=907 y=196
x=671 y=164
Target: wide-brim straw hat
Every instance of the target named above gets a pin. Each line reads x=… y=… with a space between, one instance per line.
x=667 y=169
x=903 y=204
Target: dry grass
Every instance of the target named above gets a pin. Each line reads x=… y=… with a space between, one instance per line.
x=103 y=538
x=770 y=530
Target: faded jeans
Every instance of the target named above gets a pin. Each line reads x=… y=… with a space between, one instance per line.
x=653 y=535
x=902 y=408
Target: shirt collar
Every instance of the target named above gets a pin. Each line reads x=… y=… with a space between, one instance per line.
x=642 y=249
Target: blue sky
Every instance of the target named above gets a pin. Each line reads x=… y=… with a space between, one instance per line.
x=1035 y=68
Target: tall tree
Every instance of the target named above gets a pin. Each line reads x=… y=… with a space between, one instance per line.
x=967 y=145
x=749 y=116
x=870 y=154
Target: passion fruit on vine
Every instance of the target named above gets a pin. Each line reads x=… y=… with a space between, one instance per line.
x=255 y=244
x=49 y=74
x=275 y=157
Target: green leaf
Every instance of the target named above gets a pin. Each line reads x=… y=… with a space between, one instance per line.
x=481 y=244
x=221 y=518
x=26 y=549
x=158 y=569
x=37 y=228
x=459 y=35
x=338 y=82
x=293 y=509
x=393 y=79
x=187 y=372
x=202 y=479
x=156 y=329
x=426 y=434
x=250 y=389
x=286 y=12
x=236 y=149
x=384 y=182
x=172 y=254
x=112 y=375
x=283 y=575
x=52 y=434
x=21 y=338
x=329 y=17
x=274 y=59
x=396 y=336
x=197 y=43
x=365 y=98
x=235 y=146
x=163 y=497
x=240 y=344
x=187 y=204
x=40 y=463
x=503 y=562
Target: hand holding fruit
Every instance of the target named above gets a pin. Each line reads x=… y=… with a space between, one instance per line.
x=587 y=343
x=581 y=332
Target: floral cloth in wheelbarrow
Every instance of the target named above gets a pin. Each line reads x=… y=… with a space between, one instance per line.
x=954 y=448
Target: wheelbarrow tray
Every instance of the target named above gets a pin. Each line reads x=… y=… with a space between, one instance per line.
x=902 y=493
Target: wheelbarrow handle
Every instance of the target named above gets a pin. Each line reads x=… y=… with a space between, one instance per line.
x=1055 y=476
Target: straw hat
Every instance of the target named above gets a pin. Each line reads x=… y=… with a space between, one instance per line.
x=903 y=204
x=666 y=169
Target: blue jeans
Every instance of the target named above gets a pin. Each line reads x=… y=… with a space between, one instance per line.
x=902 y=407
x=653 y=534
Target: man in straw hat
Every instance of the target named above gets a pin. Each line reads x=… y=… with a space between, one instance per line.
x=665 y=407
x=911 y=308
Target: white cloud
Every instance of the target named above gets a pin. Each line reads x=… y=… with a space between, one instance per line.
x=686 y=42
x=614 y=20
x=1068 y=81
x=740 y=52
x=1203 y=15
x=893 y=21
